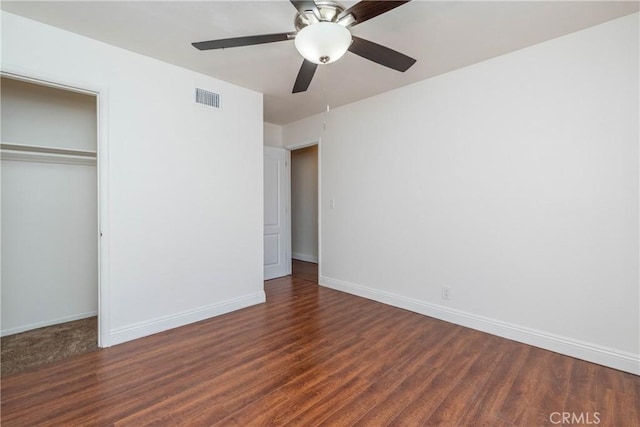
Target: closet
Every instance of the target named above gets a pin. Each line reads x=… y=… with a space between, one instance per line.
x=49 y=206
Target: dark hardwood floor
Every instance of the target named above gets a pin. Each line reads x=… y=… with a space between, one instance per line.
x=311 y=356
x=304 y=270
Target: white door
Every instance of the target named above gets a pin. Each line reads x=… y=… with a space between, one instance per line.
x=277 y=258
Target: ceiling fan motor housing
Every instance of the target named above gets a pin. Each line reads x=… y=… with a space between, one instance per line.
x=328 y=11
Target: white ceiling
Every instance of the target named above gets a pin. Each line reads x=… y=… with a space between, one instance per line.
x=441 y=35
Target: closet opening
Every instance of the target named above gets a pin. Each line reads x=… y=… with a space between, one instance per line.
x=49 y=223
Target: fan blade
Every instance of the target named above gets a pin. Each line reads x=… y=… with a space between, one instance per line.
x=243 y=41
x=307 y=70
x=380 y=54
x=365 y=10
x=305 y=5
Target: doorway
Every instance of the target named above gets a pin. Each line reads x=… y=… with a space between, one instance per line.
x=50 y=263
x=305 y=212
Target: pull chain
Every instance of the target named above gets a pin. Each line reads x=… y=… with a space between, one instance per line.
x=325 y=79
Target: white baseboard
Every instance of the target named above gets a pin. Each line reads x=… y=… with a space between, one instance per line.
x=51 y=322
x=612 y=358
x=150 y=327
x=304 y=257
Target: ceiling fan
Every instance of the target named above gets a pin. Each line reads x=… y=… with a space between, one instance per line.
x=322 y=36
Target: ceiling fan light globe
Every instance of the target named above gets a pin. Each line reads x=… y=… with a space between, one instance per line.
x=323 y=43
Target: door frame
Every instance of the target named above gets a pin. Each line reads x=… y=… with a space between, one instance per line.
x=102 y=171
x=297 y=146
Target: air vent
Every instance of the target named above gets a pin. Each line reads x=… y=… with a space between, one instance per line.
x=210 y=99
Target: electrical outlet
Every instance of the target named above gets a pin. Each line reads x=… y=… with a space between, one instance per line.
x=446 y=292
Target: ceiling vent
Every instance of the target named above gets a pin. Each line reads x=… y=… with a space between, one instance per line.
x=210 y=99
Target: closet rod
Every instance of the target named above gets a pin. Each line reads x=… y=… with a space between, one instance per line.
x=47 y=150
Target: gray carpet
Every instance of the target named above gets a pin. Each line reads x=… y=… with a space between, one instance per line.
x=21 y=352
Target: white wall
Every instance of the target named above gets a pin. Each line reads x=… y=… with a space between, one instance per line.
x=272 y=135
x=513 y=181
x=304 y=204
x=49 y=210
x=183 y=182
